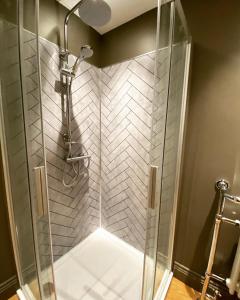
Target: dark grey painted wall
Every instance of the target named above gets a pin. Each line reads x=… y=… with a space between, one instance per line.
x=7 y=264
x=8 y=10
x=212 y=147
x=133 y=38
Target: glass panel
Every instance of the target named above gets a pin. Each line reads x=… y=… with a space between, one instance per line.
x=172 y=150
x=167 y=130
x=12 y=111
x=21 y=108
x=35 y=145
x=162 y=69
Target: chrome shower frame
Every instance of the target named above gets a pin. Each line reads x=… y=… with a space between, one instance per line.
x=67 y=73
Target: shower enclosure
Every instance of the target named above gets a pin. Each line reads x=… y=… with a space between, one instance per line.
x=110 y=235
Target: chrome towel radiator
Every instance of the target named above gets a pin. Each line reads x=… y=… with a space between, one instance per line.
x=233 y=282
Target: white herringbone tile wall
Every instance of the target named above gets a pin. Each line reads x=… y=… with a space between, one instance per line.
x=127 y=91
x=123 y=95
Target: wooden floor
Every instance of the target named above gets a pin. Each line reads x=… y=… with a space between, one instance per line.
x=177 y=291
x=180 y=291
x=15 y=297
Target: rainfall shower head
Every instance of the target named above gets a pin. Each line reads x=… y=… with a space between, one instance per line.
x=85 y=52
x=94 y=13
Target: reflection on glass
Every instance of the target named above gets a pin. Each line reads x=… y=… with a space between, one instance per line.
x=166 y=126
x=21 y=105
x=16 y=146
x=171 y=150
x=162 y=61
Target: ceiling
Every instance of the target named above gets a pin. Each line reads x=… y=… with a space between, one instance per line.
x=122 y=11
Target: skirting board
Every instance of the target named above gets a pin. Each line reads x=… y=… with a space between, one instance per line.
x=195 y=280
x=25 y=293
x=21 y=295
x=9 y=284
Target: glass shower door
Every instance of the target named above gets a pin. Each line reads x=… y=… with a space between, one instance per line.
x=169 y=107
x=159 y=111
x=23 y=147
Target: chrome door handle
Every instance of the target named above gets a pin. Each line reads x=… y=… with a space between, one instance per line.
x=152 y=187
x=41 y=191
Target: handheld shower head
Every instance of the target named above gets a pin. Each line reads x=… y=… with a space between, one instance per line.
x=85 y=52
